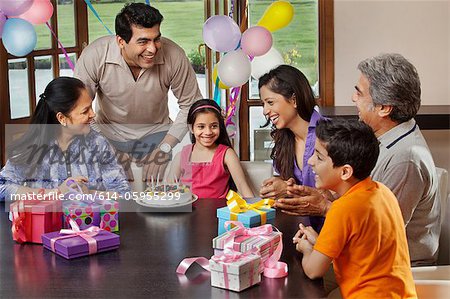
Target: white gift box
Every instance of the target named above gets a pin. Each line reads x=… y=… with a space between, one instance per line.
x=237 y=275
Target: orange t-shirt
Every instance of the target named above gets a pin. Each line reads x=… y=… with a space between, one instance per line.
x=364 y=234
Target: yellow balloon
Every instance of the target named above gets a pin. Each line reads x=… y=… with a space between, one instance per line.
x=278 y=15
x=214 y=77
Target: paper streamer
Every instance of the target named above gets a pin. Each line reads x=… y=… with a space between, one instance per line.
x=69 y=61
x=89 y=4
x=217 y=91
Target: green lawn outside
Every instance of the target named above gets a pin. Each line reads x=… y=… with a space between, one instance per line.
x=183 y=22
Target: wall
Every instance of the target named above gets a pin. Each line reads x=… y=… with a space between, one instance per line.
x=419 y=30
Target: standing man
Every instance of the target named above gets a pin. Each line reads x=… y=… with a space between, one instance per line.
x=130 y=74
x=387 y=97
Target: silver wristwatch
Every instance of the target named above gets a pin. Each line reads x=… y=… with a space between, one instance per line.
x=165 y=148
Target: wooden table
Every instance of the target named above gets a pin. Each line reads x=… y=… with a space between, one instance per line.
x=152 y=245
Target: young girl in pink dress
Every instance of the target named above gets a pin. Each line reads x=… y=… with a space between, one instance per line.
x=207 y=164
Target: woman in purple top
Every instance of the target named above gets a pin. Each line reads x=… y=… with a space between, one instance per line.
x=290 y=106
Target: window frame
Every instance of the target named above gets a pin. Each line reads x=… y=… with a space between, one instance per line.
x=326 y=64
x=81 y=40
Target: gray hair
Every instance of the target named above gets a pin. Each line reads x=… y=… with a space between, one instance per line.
x=393 y=81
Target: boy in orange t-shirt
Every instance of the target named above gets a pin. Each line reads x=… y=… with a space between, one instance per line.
x=363 y=234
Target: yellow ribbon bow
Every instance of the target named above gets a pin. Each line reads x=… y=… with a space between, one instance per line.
x=237 y=205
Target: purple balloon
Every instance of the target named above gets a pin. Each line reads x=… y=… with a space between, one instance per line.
x=221 y=33
x=2 y=22
x=15 y=7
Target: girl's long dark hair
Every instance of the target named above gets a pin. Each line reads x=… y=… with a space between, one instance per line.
x=223 y=138
x=60 y=95
x=288 y=81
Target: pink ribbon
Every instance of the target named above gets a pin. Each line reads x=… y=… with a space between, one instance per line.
x=187 y=262
x=272 y=268
x=86 y=234
x=18 y=222
x=228 y=257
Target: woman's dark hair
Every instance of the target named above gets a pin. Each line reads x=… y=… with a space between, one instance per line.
x=288 y=82
x=139 y=15
x=60 y=95
x=207 y=105
x=203 y=106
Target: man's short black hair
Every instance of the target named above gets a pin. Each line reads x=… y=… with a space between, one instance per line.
x=349 y=142
x=139 y=15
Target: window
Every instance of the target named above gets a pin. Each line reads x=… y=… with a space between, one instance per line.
x=23 y=79
x=307 y=40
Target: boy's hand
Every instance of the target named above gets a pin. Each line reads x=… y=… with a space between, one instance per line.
x=304 y=246
x=305 y=238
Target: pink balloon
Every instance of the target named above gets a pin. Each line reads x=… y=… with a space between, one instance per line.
x=40 y=12
x=15 y=7
x=256 y=41
x=2 y=22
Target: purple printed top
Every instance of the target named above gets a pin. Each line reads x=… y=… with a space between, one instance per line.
x=306 y=177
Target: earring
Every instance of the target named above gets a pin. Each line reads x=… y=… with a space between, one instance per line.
x=64 y=124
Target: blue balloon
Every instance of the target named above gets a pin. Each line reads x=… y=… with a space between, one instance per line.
x=19 y=37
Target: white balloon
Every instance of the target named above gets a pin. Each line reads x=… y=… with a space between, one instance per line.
x=234 y=68
x=263 y=64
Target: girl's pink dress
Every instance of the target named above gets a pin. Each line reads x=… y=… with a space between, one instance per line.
x=206 y=179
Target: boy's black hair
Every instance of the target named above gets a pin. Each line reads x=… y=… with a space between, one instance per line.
x=349 y=142
x=139 y=15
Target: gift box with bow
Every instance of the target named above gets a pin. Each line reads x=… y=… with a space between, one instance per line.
x=250 y=215
x=73 y=243
x=242 y=239
x=92 y=212
x=235 y=272
x=232 y=270
x=32 y=218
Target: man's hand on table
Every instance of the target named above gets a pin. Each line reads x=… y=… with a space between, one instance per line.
x=304 y=201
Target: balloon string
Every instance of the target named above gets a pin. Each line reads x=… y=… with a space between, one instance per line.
x=69 y=61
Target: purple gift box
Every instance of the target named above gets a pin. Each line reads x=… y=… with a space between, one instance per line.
x=76 y=246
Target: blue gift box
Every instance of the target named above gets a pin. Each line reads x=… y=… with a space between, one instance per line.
x=249 y=218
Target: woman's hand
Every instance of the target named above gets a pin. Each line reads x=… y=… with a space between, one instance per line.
x=275 y=187
x=72 y=182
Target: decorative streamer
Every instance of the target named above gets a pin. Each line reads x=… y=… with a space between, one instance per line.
x=147 y=2
x=89 y=4
x=69 y=61
x=230 y=14
x=217 y=91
